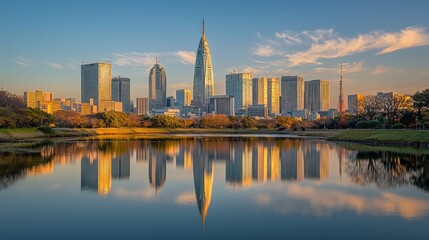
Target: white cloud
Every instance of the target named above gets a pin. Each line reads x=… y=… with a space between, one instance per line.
x=347 y=68
x=54 y=65
x=264 y=51
x=331 y=46
x=22 y=61
x=327 y=44
x=135 y=59
x=379 y=70
x=186 y=57
x=186 y=198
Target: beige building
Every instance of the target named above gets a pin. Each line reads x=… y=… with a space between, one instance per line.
x=42 y=100
x=142 y=105
x=260 y=91
x=317 y=95
x=273 y=96
x=239 y=85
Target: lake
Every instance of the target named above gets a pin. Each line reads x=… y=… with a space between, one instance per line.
x=212 y=187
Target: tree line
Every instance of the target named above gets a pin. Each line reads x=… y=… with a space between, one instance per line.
x=380 y=111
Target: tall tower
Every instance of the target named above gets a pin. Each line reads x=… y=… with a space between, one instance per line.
x=203 y=75
x=121 y=92
x=96 y=82
x=341 y=105
x=157 y=87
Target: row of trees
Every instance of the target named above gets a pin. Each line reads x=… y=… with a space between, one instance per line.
x=393 y=109
x=380 y=111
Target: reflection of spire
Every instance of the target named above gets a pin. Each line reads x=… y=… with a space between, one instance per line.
x=341 y=156
x=203 y=181
x=157 y=172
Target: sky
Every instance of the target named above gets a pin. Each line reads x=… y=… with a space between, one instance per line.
x=384 y=45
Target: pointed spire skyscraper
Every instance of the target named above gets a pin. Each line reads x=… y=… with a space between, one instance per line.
x=203 y=87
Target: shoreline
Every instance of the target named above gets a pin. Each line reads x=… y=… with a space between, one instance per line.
x=379 y=137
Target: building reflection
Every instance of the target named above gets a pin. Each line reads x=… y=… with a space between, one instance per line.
x=101 y=162
x=309 y=161
x=203 y=167
x=158 y=164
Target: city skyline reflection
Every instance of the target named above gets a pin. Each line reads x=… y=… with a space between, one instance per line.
x=315 y=176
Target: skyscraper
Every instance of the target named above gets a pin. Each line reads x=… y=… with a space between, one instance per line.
x=157 y=87
x=292 y=88
x=142 y=105
x=96 y=82
x=260 y=91
x=121 y=92
x=203 y=74
x=273 y=96
x=239 y=85
x=316 y=95
x=183 y=97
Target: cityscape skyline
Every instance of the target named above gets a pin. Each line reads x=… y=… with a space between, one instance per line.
x=268 y=49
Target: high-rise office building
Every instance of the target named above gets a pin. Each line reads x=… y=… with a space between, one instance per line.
x=221 y=104
x=292 y=90
x=96 y=82
x=171 y=101
x=203 y=75
x=183 y=97
x=157 y=87
x=239 y=85
x=273 y=96
x=121 y=92
x=316 y=95
x=260 y=91
x=142 y=105
x=354 y=103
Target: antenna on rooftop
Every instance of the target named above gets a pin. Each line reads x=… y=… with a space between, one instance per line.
x=341 y=104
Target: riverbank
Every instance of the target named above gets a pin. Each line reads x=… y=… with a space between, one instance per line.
x=411 y=138
x=12 y=135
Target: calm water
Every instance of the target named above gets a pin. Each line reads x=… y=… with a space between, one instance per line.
x=213 y=188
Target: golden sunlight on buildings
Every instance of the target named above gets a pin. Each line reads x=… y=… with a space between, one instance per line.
x=104 y=173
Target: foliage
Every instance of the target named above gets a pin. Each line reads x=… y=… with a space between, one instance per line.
x=421 y=102
x=23 y=118
x=368 y=124
x=398 y=126
x=46 y=130
x=112 y=119
x=214 y=121
x=164 y=121
x=70 y=119
x=285 y=122
x=9 y=100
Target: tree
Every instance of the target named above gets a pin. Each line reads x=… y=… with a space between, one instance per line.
x=394 y=106
x=10 y=100
x=421 y=102
x=164 y=121
x=70 y=119
x=113 y=119
x=248 y=122
x=285 y=122
x=214 y=121
x=370 y=107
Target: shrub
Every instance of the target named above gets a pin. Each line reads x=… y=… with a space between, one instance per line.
x=362 y=125
x=398 y=126
x=46 y=130
x=374 y=124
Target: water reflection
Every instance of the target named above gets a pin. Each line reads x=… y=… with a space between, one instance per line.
x=297 y=167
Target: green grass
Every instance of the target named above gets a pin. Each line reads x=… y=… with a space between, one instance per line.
x=18 y=130
x=400 y=150
x=383 y=136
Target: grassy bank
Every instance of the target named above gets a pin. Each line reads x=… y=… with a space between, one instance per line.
x=9 y=135
x=22 y=134
x=384 y=137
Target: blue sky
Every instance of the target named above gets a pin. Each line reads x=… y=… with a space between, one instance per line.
x=385 y=43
